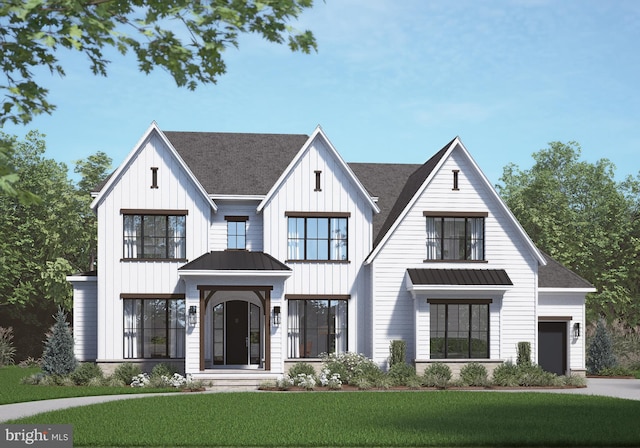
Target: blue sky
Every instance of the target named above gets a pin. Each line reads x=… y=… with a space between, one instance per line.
x=393 y=81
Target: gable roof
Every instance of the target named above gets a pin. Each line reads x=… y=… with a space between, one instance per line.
x=383 y=181
x=318 y=133
x=153 y=129
x=417 y=183
x=555 y=275
x=236 y=164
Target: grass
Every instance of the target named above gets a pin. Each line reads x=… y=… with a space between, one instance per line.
x=12 y=391
x=443 y=418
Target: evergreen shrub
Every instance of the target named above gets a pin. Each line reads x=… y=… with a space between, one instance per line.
x=401 y=373
x=474 y=374
x=303 y=368
x=397 y=352
x=524 y=353
x=58 y=357
x=600 y=350
x=437 y=375
x=85 y=372
x=125 y=373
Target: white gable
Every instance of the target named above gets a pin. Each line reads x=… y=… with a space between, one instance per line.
x=457 y=155
x=152 y=131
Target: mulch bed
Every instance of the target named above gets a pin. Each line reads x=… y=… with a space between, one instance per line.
x=350 y=388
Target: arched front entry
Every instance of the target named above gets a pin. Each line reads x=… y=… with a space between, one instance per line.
x=239 y=333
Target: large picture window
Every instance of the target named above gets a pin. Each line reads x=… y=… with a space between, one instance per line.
x=459 y=330
x=317 y=238
x=316 y=327
x=455 y=238
x=154 y=236
x=154 y=328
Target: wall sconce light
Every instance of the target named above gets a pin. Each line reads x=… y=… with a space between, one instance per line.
x=276 y=315
x=576 y=330
x=193 y=315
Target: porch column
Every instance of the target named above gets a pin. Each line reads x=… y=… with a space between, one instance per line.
x=267 y=333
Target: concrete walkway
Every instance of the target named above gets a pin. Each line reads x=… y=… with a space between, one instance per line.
x=617 y=388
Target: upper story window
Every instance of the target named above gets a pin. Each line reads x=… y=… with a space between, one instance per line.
x=154 y=234
x=313 y=236
x=455 y=236
x=236 y=232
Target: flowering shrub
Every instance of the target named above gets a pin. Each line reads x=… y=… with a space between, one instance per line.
x=305 y=380
x=285 y=382
x=351 y=366
x=330 y=380
x=140 y=380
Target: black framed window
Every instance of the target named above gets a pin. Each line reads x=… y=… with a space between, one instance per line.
x=455 y=238
x=154 y=236
x=316 y=327
x=459 y=330
x=154 y=328
x=317 y=238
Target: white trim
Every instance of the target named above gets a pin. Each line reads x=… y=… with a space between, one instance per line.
x=136 y=149
x=454 y=144
x=82 y=278
x=317 y=132
x=237 y=197
x=565 y=290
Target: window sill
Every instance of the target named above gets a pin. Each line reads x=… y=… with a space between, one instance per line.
x=319 y=261
x=456 y=261
x=176 y=260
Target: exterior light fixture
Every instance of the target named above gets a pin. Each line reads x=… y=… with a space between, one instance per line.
x=276 y=315
x=576 y=330
x=193 y=315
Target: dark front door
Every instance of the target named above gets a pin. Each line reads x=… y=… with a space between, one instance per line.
x=552 y=347
x=237 y=332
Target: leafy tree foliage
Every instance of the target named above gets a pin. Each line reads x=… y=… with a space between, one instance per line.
x=184 y=37
x=58 y=357
x=578 y=213
x=41 y=243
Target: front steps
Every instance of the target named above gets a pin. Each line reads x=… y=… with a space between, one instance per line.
x=234 y=379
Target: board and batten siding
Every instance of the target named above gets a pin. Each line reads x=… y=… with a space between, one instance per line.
x=339 y=193
x=132 y=190
x=395 y=315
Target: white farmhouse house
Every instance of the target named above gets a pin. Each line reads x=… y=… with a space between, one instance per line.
x=235 y=255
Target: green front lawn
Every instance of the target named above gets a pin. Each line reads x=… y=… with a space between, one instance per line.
x=412 y=418
x=12 y=391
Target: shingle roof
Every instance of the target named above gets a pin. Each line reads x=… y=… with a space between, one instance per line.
x=555 y=275
x=385 y=181
x=235 y=260
x=236 y=164
x=460 y=277
x=413 y=183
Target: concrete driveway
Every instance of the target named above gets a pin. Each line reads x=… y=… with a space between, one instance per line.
x=617 y=388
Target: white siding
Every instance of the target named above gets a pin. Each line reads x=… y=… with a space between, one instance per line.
x=566 y=304
x=339 y=193
x=254 y=229
x=513 y=317
x=132 y=190
x=85 y=317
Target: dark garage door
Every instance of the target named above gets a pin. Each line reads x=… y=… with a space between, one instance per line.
x=552 y=343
